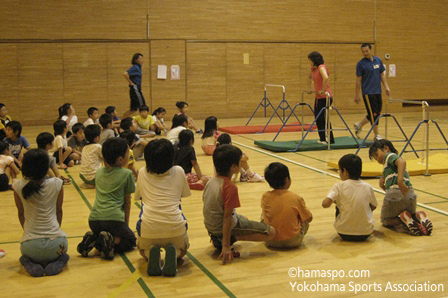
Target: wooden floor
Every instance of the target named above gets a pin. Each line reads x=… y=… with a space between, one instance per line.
x=387 y=257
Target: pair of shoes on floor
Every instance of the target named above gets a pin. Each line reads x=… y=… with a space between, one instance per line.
x=255 y=178
x=243 y=175
x=170 y=266
x=87 y=244
x=419 y=227
x=357 y=129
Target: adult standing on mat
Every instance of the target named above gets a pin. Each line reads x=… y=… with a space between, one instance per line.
x=134 y=78
x=370 y=73
x=319 y=75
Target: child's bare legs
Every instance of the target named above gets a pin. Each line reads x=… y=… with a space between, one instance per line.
x=258 y=237
x=245 y=165
x=142 y=253
x=75 y=156
x=192 y=124
x=71 y=163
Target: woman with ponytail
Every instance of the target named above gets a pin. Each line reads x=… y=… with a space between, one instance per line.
x=39 y=204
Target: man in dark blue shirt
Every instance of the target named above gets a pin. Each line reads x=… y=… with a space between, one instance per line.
x=134 y=78
x=370 y=73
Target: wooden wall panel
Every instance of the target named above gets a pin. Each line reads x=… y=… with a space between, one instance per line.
x=165 y=93
x=9 y=81
x=85 y=76
x=119 y=56
x=245 y=82
x=40 y=76
x=206 y=83
x=290 y=20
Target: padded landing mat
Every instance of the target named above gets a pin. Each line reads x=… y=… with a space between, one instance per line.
x=438 y=164
x=259 y=128
x=309 y=145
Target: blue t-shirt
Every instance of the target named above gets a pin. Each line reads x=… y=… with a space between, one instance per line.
x=371 y=75
x=135 y=74
x=16 y=146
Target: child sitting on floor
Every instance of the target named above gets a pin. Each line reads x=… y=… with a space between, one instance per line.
x=246 y=174
x=8 y=169
x=210 y=135
x=186 y=158
x=400 y=201
x=179 y=123
x=145 y=123
x=107 y=131
x=109 y=218
x=158 y=116
x=220 y=199
x=183 y=109
x=93 y=115
x=16 y=141
x=4 y=119
x=161 y=186
x=63 y=153
x=77 y=141
x=92 y=156
x=354 y=200
x=130 y=138
x=283 y=209
x=39 y=204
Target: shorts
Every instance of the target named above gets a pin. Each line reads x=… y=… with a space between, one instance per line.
x=373 y=103
x=117 y=229
x=180 y=242
x=290 y=243
x=66 y=161
x=243 y=227
x=44 y=250
x=136 y=95
x=91 y=182
x=4 y=182
x=394 y=203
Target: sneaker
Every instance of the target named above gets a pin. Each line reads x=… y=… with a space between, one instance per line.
x=255 y=178
x=170 y=267
x=377 y=138
x=425 y=223
x=410 y=223
x=2 y=253
x=322 y=142
x=34 y=269
x=243 y=175
x=154 y=262
x=106 y=242
x=199 y=131
x=56 y=267
x=87 y=243
x=357 y=129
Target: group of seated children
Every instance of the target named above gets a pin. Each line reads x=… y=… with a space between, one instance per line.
x=167 y=178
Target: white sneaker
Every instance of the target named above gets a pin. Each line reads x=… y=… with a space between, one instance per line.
x=243 y=175
x=377 y=138
x=255 y=178
x=357 y=129
x=322 y=142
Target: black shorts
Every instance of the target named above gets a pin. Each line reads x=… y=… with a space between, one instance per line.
x=4 y=182
x=117 y=229
x=136 y=95
x=373 y=103
x=66 y=161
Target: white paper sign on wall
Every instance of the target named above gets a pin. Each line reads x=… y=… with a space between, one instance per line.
x=175 y=72
x=392 y=71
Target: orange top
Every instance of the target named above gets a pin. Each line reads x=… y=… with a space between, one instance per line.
x=285 y=211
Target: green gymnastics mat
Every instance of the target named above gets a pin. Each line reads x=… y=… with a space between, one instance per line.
x=310 y=145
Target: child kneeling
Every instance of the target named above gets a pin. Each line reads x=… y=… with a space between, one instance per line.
x=220 y=199
x=161 y=186
x=109 y=218
x=354 y=201
x=283 y=209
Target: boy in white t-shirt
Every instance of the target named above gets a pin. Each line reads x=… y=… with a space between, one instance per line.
x=354 y=200
x=92 y=157
x=161 y=186
x=93 y=115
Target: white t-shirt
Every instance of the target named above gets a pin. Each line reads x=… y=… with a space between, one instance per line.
x=91 y=161
x=40 y=210
x=72 y=122
x=5 y=161
x=353 y=197
x=60 y=142
x=90 y=121
x=173 y=135
x=161 y=195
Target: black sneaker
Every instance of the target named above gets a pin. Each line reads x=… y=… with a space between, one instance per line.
x=87 y=243
x=106 y=242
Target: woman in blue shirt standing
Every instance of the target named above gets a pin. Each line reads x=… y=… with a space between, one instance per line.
x=134 y=77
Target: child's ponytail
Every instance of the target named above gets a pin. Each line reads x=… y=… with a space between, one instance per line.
x=34 y=168
x=63 y=110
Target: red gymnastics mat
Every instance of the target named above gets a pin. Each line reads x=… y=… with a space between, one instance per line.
x=259 y=128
